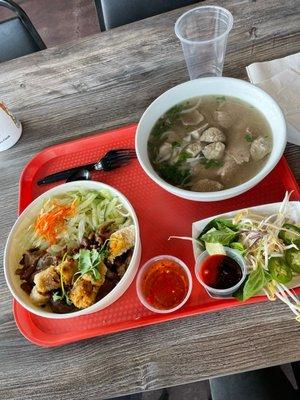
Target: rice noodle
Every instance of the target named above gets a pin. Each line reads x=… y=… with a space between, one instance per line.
x=187 y=110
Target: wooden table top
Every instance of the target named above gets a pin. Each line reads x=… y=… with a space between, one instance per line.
x=103 y=81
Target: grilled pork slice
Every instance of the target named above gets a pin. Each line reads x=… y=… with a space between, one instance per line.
x=38 y=298
x=47 y=280
x=67 y=268
x=85 y=289
x=121 y=241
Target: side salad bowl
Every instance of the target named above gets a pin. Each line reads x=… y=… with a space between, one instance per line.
x=14 y=249
x=268 y=238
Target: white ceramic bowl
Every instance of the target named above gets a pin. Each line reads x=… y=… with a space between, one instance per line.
x=12 y=255
x=212 y=86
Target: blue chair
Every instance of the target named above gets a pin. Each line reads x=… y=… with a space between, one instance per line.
x=18 y=36
x=113 y=13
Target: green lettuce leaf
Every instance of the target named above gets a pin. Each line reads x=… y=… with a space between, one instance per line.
x=225 y=236
x=253 y=284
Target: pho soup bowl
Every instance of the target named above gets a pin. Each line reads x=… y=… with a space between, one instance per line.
x=14 y=250
x=216 y=86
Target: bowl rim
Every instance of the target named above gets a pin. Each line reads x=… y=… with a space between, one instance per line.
x=131 y=269
x=141 y=273
x=277 y=149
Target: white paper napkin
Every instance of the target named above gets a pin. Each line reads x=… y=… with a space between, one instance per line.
x=281 y=79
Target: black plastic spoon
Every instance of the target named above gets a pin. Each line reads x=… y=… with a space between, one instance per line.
x=80 y=175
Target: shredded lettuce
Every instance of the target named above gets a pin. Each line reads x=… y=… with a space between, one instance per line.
x=93 y=208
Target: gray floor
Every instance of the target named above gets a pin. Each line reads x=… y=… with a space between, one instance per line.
x=198 y=390
x=192 y=391
x=59 y=21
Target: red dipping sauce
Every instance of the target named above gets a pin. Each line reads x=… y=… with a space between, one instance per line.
x=164 y=284
x=220 y=272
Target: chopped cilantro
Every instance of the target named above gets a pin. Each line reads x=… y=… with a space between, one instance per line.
x=221 y=98
x=175 y=144
x=248 y=137
x=183 y=156
x=62 y=295
x=172 y=173
x=211 y=163
x=56 y=296
x=172 y=114
x=152 y=149
x=89 y=261
x=160 y=127
x=167 y=121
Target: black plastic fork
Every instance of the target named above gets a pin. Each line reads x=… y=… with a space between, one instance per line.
x=113 y=159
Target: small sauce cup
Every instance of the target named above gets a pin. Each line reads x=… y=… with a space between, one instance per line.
x=164 y=280
x=218 y=292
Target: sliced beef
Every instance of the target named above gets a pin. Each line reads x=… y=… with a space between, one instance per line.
x=46 y=261
x=27 y=287
x=26 y=272
x=191 y=118
x=29 y=262
x=61 y=307
x=104 y=231
x=165 y=152
x=89 y=242
x=207 y=185
x=123 y=259
x=31 y=257
x=84 y=243
x=96 y=240
x=171 y=136
x=239 y=151
x=224 y=118
x=107 y=287
x=228 y=170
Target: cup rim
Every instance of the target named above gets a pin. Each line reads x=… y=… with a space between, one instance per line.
x=190 y=41
x=211 y=290
x=140 y=275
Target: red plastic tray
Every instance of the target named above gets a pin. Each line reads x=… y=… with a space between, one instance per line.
x=160 y=215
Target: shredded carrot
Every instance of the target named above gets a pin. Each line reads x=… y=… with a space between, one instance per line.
x=49 y=224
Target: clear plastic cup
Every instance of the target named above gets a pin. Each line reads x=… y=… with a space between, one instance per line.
x=203 y=32
x=213 y=292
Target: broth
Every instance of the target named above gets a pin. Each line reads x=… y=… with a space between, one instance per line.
x=210 y=143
